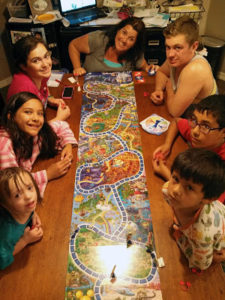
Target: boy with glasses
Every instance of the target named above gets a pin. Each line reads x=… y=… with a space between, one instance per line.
x=205 y=129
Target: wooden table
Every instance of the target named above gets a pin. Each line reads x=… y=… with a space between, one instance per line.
x=39 y=271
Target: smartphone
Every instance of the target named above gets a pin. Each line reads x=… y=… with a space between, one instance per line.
x=67 y=92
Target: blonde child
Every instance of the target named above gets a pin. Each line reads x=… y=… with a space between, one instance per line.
x=19 y=223
x=25 y=135
x=197 y=179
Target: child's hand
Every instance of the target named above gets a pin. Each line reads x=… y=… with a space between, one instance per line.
x=67 y=152
x=63 y=112
x=219 y=256
x=32 y=235
x=160 y=168
x=161 y=152
x=55 y=102
x=58 y=169
x=36 y=222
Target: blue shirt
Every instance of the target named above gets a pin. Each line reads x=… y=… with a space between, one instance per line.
x=10 y=233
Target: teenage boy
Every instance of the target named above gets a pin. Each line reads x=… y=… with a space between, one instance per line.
x=186 y=75
x=197 y=179
x=205 y=129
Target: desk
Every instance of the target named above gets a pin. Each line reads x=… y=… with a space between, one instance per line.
x=39 y=271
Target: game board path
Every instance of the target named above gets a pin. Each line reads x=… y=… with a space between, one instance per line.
x=116 y=235
x=97 y=184
x=102 y=276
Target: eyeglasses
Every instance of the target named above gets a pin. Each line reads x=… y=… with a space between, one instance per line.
x=202 y=127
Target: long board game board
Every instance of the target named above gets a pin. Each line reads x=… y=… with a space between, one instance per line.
x=111 y=218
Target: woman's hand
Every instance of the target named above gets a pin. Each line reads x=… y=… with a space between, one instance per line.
x=67 y=152
x=58 y=169
x=79 y=71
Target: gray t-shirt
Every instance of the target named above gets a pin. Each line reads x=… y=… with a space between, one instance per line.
x=94 y=61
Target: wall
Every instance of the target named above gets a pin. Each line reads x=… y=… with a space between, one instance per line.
x=212 y=23
x=5 y=75
x=215 y=27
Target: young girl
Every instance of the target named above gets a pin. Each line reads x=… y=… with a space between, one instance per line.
x=19 y=224
x=34 y=64
x=25 y=135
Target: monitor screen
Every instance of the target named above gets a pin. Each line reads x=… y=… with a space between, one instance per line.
x=73 y=5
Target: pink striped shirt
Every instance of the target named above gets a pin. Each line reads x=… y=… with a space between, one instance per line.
x=8 y=157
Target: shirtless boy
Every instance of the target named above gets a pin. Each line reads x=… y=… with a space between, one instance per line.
x=185 y=75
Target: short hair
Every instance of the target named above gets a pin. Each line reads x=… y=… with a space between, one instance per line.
x=133 y=54
x=14 y=173
x=214 y=105
x=202 y=167
x=23 y=47
x=183 y=25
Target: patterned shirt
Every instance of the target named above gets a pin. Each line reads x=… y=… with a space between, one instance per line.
x=202 y=235
x=8 y=157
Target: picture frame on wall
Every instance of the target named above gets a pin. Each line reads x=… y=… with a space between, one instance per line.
x=39 y=33
x=39 y=7
x=17 y=35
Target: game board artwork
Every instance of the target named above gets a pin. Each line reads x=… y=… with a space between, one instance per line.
x=111 y=251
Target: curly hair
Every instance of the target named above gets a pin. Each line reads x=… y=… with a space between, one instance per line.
x=135 y=52
x=22 y=143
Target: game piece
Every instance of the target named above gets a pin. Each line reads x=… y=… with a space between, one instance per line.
x=112 y=275
x=129 y=242
x=185 y=285
x=196 y=271
x=160 y=262
x=63 y=105
x=160 y=156
x=146 y=94
x=149 y=244
x=71 y=79
x=79 y=88
x=151 y=72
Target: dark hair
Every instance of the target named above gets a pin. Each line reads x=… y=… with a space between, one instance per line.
x=23 y=47
x=202 y=167
x=183 y=25
x=214 y=105
x=134 y=53
x=22 y=143
x=14 y=173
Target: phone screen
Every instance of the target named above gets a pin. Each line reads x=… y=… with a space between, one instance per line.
x=67 y=92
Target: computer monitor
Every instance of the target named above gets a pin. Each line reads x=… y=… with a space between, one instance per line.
x=67 y=6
